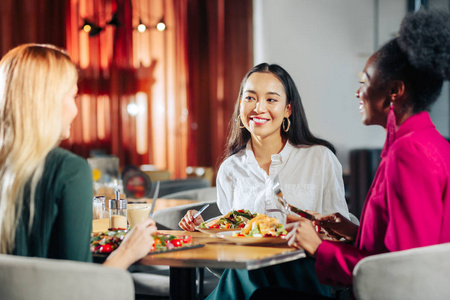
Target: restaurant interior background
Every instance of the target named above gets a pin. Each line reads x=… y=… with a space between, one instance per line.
x=165 y=98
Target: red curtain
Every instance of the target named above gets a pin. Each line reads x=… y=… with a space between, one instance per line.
x=31 y=21
x=182 y=82
x=220 y=54
x=120 y=67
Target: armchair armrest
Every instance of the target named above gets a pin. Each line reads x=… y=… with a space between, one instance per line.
x=420 y=273
x=50 y=279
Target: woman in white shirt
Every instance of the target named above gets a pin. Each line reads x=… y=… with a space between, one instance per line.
x=271 y=137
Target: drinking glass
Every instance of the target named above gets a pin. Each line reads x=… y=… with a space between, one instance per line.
x=137 y=213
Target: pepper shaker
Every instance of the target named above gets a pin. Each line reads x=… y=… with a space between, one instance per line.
x=118 y=212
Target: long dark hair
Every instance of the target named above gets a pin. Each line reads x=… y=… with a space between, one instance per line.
x=298 y=134
x=419 y=56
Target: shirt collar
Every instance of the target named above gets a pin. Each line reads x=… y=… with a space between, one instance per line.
x=414 y=123
x=278 y=158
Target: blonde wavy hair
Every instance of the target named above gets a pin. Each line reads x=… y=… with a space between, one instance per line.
x=33 y=81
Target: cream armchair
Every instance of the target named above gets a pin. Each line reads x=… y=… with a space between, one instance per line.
x=420 y=273
x=23 y=278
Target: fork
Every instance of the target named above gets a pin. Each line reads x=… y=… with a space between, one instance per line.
x=277 y=190
x=200 y=211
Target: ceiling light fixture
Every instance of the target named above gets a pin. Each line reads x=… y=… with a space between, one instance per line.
x=161 y=26
x=114 y=20
x=141 y=27
x=94 y=30
x=91 y=28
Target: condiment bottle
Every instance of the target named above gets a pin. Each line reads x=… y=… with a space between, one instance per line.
x=105 y=213
x=96 y=208
x=118 y=212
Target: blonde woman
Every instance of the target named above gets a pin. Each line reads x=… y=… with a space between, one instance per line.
x=45 y=191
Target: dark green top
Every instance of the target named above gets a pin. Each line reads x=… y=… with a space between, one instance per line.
x=63 y=215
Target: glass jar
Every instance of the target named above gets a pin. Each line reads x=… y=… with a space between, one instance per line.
x=96 y=208
x=118 y=214
x=104 y=213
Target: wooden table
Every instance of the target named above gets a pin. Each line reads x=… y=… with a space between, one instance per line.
x=162 y=203
x=217 y=253
x=100 y=225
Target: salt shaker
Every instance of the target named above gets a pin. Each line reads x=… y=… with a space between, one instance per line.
x=96 y=208
x=118 y=212
x=105 y=213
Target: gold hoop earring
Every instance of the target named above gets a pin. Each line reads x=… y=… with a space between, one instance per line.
x=286 y=128
x=239 y=122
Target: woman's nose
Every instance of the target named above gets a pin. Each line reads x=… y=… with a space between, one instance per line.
x=357 y=93
x=260 y=107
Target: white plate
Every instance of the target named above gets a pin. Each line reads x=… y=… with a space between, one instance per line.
x=214 y=231
x=248 y=240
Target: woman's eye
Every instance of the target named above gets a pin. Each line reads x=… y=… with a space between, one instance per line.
x=249 y=98
x=271 y=100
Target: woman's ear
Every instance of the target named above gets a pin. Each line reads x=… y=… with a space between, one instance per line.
x=397 y=90
x=287 y=111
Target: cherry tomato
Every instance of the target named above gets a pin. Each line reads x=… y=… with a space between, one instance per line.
x=187 y=239
x=177 y=242
x=242 y=225
x=106 y=248
x=215 y=226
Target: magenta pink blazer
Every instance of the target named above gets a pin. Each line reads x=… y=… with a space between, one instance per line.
x=407 y=206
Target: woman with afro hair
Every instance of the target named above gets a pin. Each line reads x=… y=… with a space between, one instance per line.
x=408 y=203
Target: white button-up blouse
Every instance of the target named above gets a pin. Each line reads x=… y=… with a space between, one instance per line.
x=310 y=177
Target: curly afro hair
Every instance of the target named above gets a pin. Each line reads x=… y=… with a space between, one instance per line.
x=425 y=37
x=419 y=56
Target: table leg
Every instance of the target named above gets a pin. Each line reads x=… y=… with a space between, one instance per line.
x=182 y=283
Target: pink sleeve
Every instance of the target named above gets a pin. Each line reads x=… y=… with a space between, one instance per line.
x=415 y=213
x=335 y=262
x=414 y=193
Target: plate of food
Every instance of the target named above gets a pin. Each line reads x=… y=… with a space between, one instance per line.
x=235 y=220
x=260 y=230
x=103 y=243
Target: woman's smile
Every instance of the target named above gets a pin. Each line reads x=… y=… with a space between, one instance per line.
x=258 y=120
x=361 y=107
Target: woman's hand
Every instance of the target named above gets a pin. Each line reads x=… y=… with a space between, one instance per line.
x=302 y=234
x=338 y=226
x=188 y=223
x=136 y=245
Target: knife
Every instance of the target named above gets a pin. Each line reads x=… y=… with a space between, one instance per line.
x=301 y=212
x=155 y=196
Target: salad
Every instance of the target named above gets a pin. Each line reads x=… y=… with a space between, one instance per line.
x=165 y=242
x=233 y=219
x=107 y=242
x=263 y=226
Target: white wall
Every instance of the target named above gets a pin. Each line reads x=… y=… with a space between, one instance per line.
x=324 y=44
